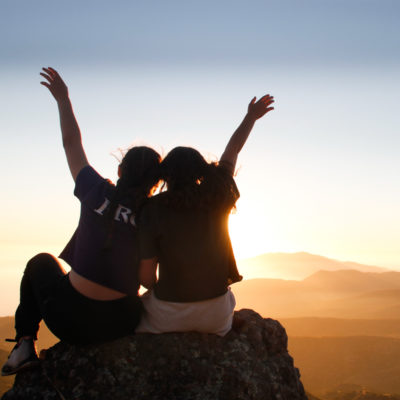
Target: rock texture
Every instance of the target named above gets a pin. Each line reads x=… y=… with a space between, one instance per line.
x=251 y=362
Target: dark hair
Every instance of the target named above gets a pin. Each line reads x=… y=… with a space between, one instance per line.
x=192 y=182
x=139 y=173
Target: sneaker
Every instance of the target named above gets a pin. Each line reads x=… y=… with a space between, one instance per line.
x=22 y=356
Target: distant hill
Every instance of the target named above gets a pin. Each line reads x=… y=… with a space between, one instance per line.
x=377 y=304
x=335 y=294
x=370 y=362
x=353 y=281
x=295 y=266
x=339 y=327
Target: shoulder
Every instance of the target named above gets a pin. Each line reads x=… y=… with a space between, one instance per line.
x=87 y=174
x=87 y=180
x=226 y=167
x=225 y=184
x=225 y=176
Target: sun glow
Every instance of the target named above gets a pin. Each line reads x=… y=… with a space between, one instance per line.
x=251 y=236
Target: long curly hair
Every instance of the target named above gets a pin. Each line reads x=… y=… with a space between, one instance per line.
x=192 y=182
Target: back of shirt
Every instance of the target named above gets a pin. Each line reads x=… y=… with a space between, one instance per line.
x=114 y=265
x=196 y=260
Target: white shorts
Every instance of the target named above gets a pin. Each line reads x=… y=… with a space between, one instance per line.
x=208 y=316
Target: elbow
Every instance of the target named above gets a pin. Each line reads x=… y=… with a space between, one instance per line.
x=69 y=142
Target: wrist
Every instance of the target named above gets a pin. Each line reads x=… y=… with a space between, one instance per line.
x=63 y=101
x=250 y=117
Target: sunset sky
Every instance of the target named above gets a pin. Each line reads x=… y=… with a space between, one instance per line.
x=319 y=174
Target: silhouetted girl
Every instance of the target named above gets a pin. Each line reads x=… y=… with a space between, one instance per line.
x=98 y=299
x=185 y=232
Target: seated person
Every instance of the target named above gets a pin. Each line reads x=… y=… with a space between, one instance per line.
x=184 y=231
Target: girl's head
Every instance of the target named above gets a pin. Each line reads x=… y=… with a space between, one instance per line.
x=139 y=168
x=194 y=183
x=182 y=167
x=138 y=176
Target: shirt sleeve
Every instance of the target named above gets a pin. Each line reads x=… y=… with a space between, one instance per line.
x=86 y=180
x=225 y=172
x=148 y=232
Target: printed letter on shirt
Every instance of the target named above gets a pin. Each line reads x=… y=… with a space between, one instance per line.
x=101 y=209
x=124 y=212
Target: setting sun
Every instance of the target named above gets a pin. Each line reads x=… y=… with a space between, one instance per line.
x=250 y=235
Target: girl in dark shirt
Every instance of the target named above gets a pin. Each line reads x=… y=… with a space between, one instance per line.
x=98 y=299
x=184 y=231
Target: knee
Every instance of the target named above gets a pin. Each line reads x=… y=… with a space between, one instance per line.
x=39 y=261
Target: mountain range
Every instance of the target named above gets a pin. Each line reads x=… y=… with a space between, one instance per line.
x=334 y=294
x=296 y=266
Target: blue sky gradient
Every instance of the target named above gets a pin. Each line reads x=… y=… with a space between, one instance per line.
x=319 y=174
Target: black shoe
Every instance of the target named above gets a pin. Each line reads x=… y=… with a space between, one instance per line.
x=23 y=356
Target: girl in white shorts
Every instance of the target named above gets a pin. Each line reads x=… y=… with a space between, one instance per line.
x=183 y=232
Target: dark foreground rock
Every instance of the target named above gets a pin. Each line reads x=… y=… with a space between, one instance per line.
x=251 y=362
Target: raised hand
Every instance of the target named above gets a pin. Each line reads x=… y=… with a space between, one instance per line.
x=258 y=109
x=55 y=84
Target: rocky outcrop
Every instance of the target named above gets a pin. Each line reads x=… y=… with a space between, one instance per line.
x=250 y=362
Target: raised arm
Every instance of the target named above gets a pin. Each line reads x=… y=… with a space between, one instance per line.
x=71 y=134
x=255 y=111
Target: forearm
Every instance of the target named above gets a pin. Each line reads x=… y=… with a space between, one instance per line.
x=255 y=111
x=71 y=138
x=237 y=141
x=71 y=133
x=239 y=137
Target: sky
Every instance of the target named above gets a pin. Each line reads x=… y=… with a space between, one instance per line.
x=318 y=174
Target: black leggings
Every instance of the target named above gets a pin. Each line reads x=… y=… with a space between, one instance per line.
x=46 y=293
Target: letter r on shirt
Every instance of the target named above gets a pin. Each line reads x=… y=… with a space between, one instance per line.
x=123 y=212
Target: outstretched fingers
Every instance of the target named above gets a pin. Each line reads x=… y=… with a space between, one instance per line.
x=50 y=74
x=54 y=83
x=49 y=70
x=53 y=72
x=47 y=77
x=45 y=84
x=261 y=107
x=267 y=99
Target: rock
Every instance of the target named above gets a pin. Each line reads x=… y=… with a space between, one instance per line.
x=250 y=362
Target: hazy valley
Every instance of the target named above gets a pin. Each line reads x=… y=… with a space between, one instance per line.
x=342 y=319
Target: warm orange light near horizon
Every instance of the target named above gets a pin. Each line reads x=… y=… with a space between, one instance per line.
x=249 y=238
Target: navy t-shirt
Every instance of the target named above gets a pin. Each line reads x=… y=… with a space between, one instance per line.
x=116 y=266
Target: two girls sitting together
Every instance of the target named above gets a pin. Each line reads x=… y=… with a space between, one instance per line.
x=125 y=234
